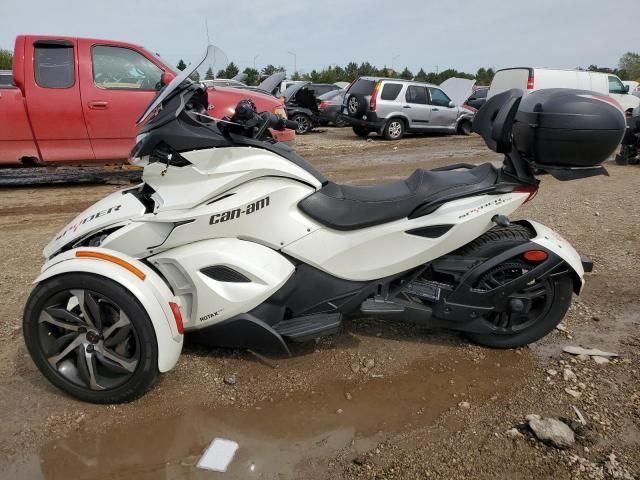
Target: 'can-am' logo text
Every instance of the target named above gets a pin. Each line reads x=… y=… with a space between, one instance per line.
x=238 y=212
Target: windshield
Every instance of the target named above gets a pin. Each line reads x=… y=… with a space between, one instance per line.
x=195 y=72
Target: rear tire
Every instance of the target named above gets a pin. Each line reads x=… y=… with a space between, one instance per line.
x=339 y=122
x=558 y=290
x=361 y=131
x=304 y=123
x=393 y=129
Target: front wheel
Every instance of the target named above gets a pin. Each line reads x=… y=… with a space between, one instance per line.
x=393 y=129
x=91 y=338
x=464 y=127
x=361 y=131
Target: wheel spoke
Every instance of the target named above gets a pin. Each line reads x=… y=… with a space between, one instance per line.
x=53 y=360
x=93 y=307
x=60 y=342
x=47 y=316
x=128 y=364
x=122 y=322
x=90 y=360
x=80 y=295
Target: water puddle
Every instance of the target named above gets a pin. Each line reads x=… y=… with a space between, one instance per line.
x=291 y=437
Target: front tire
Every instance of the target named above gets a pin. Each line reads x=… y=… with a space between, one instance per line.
x=91 y=338
x=464 y=128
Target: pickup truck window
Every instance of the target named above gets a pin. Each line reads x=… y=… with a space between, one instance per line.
x=54 y=66
x=615 y=85
x=120 y=68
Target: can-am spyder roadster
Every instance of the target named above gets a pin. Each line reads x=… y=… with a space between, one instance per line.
x=238 y=238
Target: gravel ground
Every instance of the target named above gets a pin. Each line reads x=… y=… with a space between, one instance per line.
x=378 y=400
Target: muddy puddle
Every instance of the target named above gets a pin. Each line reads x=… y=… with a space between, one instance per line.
x=290 y=437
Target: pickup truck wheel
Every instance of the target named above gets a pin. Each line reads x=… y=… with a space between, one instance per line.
x=361 y=131
x=464 y=127
x=304 y=123
x=91 y=338
x=393 y=129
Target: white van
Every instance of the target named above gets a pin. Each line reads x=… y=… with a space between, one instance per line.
x=529 y=79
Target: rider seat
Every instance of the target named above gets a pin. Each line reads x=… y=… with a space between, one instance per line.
x=346 y=207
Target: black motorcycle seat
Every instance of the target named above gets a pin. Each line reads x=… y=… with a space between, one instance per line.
x=346 y=207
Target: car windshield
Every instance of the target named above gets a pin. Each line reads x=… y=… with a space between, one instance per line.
x=214 y=56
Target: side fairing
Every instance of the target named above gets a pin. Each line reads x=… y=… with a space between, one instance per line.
x=248 y=274
x=116 y=208
x=215 y=171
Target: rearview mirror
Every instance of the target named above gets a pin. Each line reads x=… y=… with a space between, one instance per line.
x=626 y=89
x=451 y=104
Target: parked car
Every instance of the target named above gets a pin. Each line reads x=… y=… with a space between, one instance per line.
x=302 y=106
x=6 y=78
x=320 y=89
x=330 y=106
x=634 y=87
x=478 y=98
x=529 y=79
x=77 y=99
x=392 y=107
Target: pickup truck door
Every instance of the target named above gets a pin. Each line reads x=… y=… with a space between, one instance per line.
x=442 y=115
x=52 y=93
x=116 y=83
x=416 y=107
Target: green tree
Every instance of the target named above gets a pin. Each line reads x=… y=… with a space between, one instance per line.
x=484 y=76
x=181 y=65
x=406 y=74
x=231 y=71
x=209 y=74
x=6 y=59
x=630 y=63
x=421 y=76
x=351 y=72
x=271 y=69
x=296 y=76
x=253 y=76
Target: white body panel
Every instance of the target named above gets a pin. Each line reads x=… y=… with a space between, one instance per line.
x=557 y=78
x=263 y=210
x=152 y=293
x=386 y=249
x=208 y=301
x=215 y=171
x=109 y=211
x=553 y=241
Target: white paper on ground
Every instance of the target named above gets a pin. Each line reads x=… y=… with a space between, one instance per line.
x=218 y=455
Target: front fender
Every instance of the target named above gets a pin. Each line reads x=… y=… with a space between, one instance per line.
x=553 y=241
x=152 y=293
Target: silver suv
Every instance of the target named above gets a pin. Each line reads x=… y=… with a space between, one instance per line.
x=391 y=107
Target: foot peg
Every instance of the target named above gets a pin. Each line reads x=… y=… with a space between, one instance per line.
x=380 y=305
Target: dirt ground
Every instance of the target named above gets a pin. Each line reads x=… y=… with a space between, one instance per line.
x=378 y=400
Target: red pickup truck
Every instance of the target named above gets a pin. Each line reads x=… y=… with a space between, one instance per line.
x=77 y=100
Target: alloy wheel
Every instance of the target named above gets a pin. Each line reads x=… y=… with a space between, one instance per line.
x=88 y=340
x=395 y=129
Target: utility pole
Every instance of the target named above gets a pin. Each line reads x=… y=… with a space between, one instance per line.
x=393 y=62
x=254 y=61
x=206 y=26
x=295 y=61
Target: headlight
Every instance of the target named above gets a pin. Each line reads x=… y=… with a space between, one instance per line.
x=281 y=112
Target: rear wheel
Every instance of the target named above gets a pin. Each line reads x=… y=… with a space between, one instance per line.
x=393 y=129
x=304 y=123
x=548 y=299
x=91 y=338
x=361 y=131
x=339 y=122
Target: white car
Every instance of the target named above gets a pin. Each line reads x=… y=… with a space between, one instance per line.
x=634 y=87
x=530 y=79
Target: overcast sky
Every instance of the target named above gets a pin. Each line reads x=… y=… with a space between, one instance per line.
x=416 y=33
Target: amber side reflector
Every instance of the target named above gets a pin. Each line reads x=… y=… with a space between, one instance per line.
x=535 y=255
x=178 y=317
x=110 y=258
